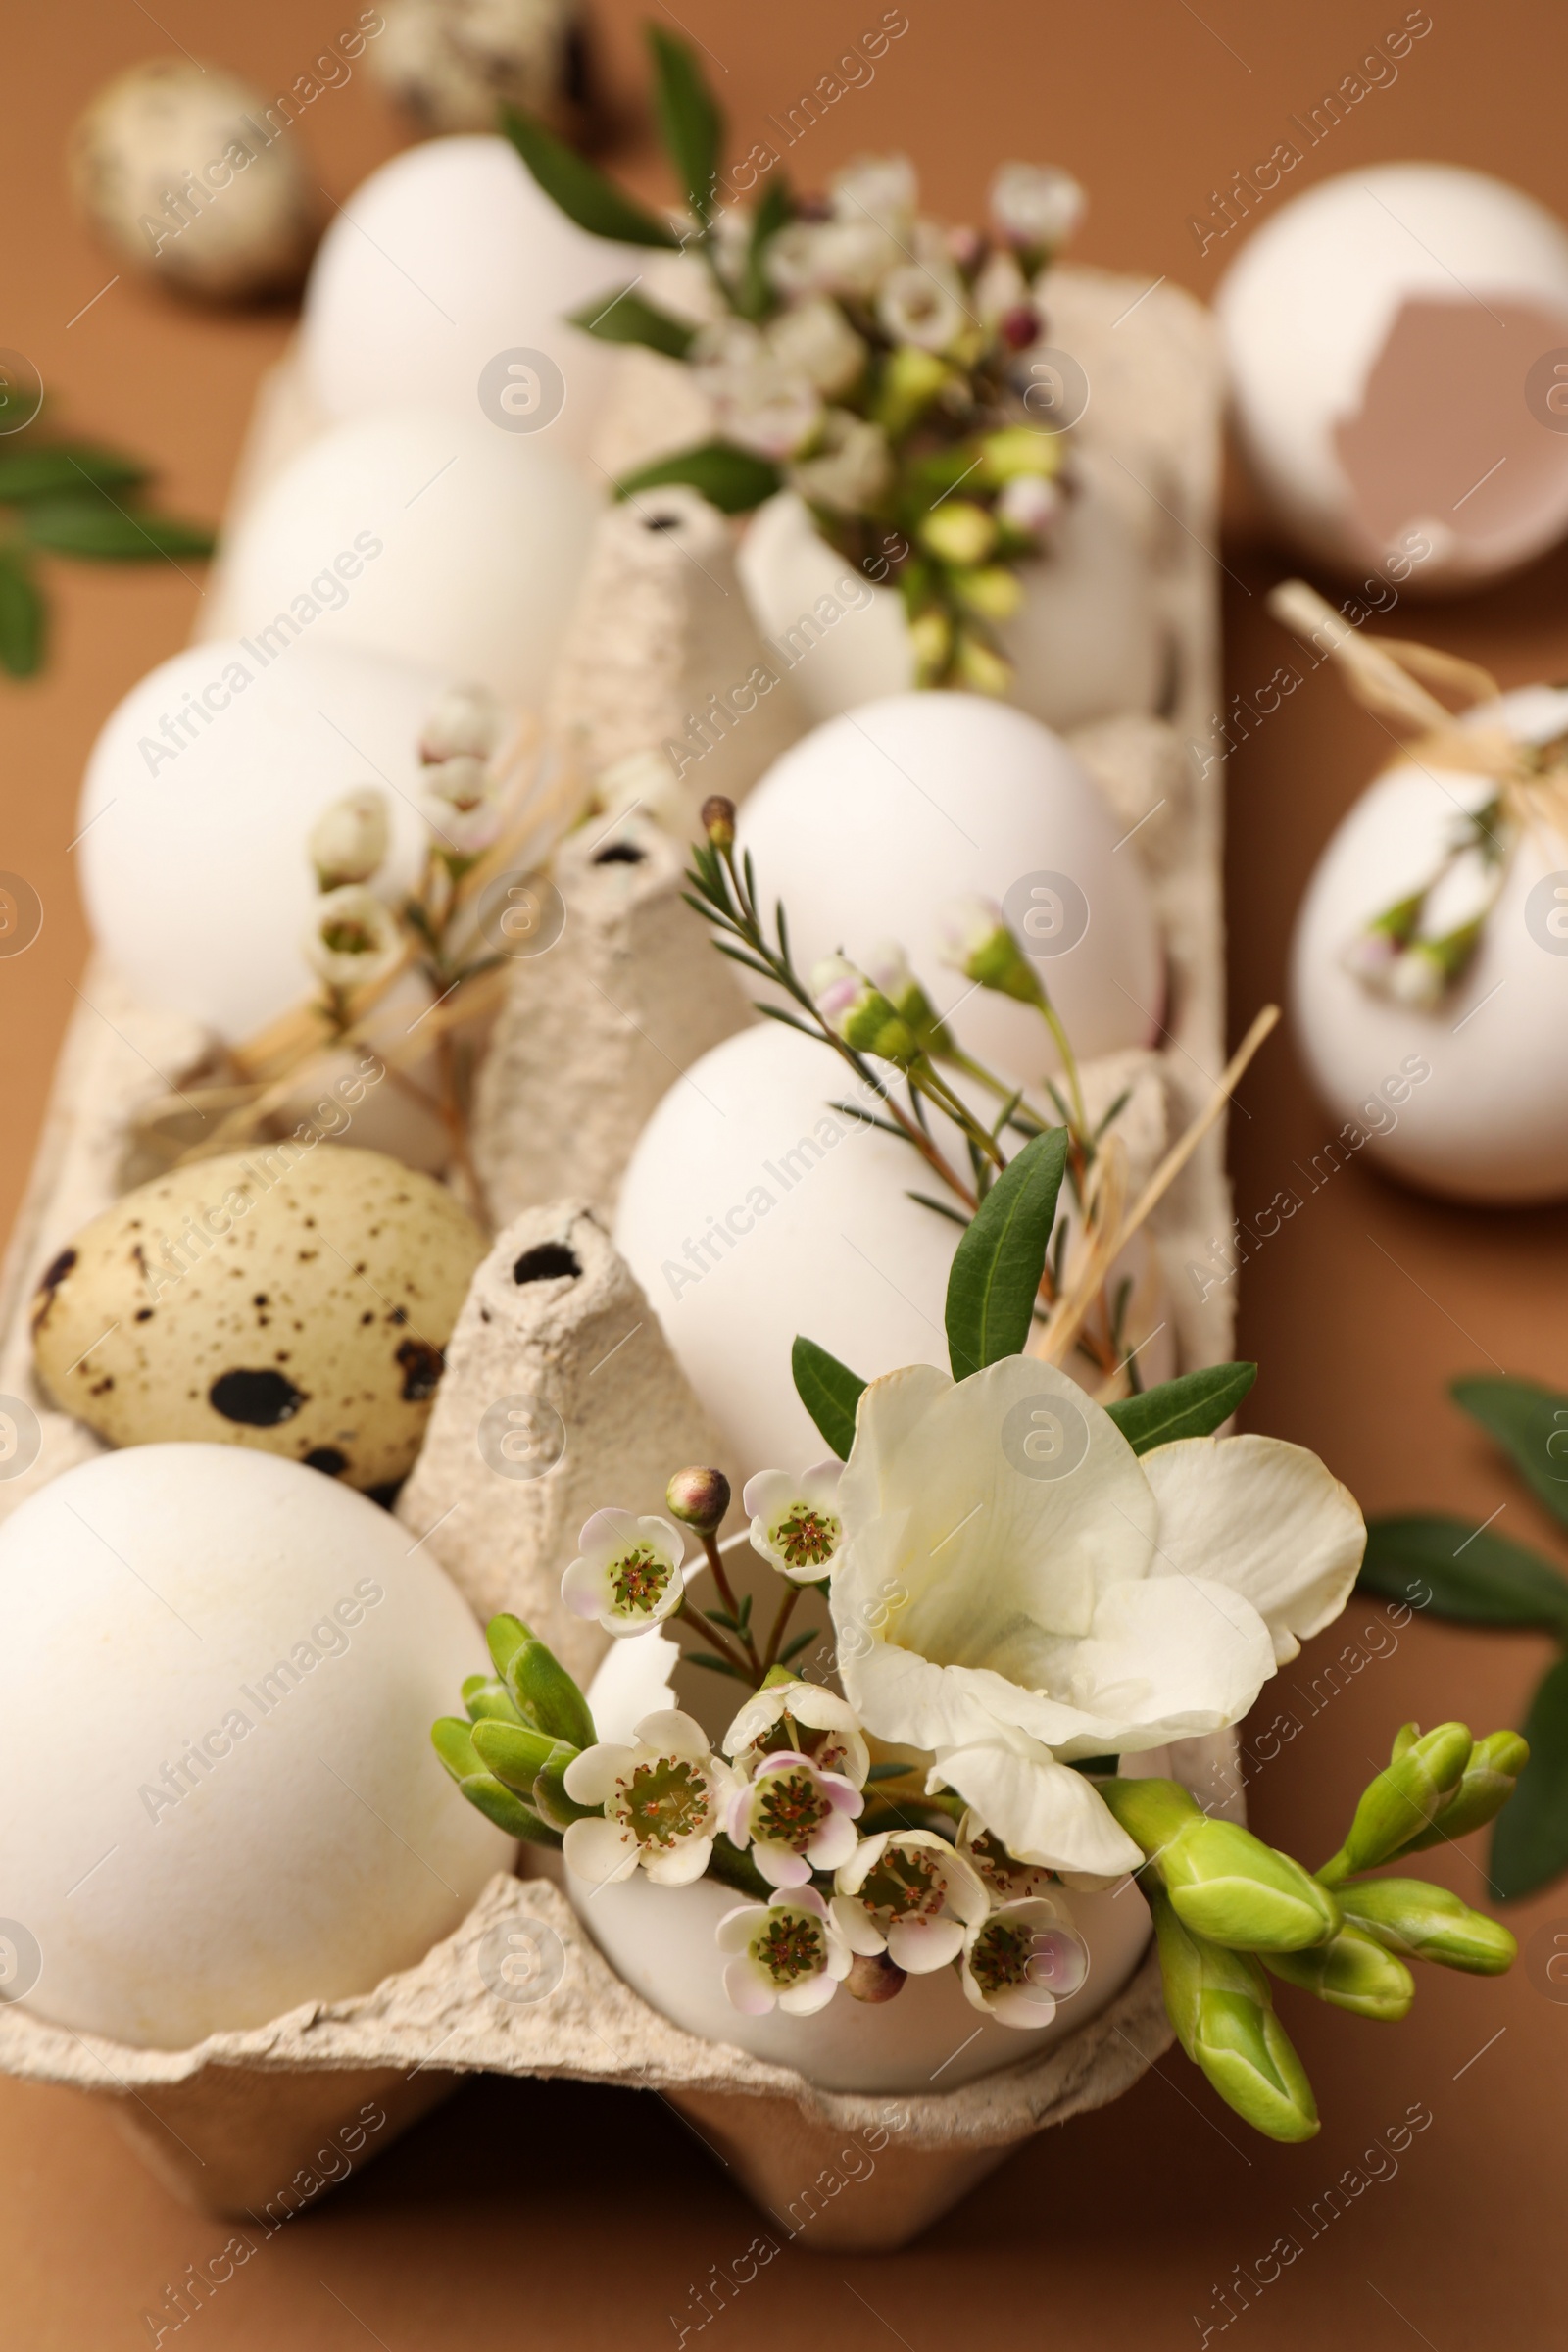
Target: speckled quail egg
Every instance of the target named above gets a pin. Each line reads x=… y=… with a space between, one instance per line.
x=293 y=1298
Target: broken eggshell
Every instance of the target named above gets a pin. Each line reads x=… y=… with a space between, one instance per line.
x=1393 y=337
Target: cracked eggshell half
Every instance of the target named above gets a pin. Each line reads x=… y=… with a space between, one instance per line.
x=1389 y=336
x=1468 y=1099
x=443 y=260
x=473 y=545
x=871 y=826
x=296 y=1303
x=217 y=1796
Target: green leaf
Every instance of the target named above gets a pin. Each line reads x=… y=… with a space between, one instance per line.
x=582 y=192
x=829 y=1391
x=1194 y=1405
x=773 y=213
x=1530 y=1842
x=23 y=618
x=1432 y=1560
x=1531 y=1425
x=64 y=465
x=731 y=478
x=92 y=526
x=627 y=318
x=998 y=1264
x=689 y=118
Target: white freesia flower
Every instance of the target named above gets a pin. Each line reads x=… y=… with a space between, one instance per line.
x=350 y=840
x=787 y=1952
x=354 y=938
x=664 y=1797
x=795 y=1521
x=906 y=1893
x=815 y=340
x=923 y=307
x=467 y=720
x=795 y=1817
x=876 y=188
x=1017 y=1588
x=628 y=1572
x=1021 y=1961
x=851 y=467
x=806 y=1718
x=1035 y=206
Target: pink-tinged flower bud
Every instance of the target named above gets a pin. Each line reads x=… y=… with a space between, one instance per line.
x=469 y=721
x=1035 y=206
x=1020 y=326
x=719 y=821
x=700 y=1497
x=351 y=839
x=874 y=1978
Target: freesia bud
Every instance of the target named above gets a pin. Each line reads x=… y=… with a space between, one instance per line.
x=910 y=382
x=351 y=839
x=1352 y=1971
x=859 y=1013
x=453 y=1741
x=1404 y=1799
x=546 y=1696
x=1421 y=1922
x=553 y=1801
x=514 y=1753
x=982 y=669
x=719 y=821
x=700 y=1497
x=994 y=592
x=1019 y=453
x=483 y=1695
x=1226 y=1885
x=1218 y=2002
x=1483 y=1789
x=977 y=941
x=931 y=641
x=959 y=532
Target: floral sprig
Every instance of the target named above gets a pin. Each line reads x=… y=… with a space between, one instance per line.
x=871 y=360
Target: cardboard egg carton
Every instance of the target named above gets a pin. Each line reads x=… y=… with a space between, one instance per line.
x=629 y=996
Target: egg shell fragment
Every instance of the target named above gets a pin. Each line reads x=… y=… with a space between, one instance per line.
x=290 y=1299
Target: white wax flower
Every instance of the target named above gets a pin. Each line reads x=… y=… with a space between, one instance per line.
x=467 y=720
x=804 y=1717
x=787 y=1952
x=1029 y=502
x=1033 y=205
x=350 y=840
x=1021 y=1961
x=1004 y=1880
x=664 y=1797
x=906 y=1893
x=795 y=1817
x=627 y=1573
x=1017 y=1588
x=795 y=1521
x=925 y=307
x=878 y=187
x=849 y=467
x=352 y=939
x=814 y=339
x=832 y=256
x=464 y=804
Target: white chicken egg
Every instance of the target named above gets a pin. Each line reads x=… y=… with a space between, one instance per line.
x=1398 y=344
x=873 y=825
x=198 y=802
x=472 y=545
x=753 y=1210
x=1467 y=1098
x=450 y=261
x=218 y=1794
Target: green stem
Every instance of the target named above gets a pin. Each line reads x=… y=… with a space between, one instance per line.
x=687 y=1615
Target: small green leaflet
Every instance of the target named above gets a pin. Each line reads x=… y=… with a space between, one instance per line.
x=582 y=193
x=688 y=116
x=829 y=1391
x=998 y=1264
x=730 y=478
x=1430 y=1560
x=1531 y=1425
x=627 y=318
x=1530 y=1836
x=22 y=617
x=1191 y=1407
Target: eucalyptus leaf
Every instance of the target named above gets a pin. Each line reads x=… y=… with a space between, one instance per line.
x=1000 y=1260
x=1530 y=1839
x=582 y=192
x=1193 y=1405
x=689 y=118
x=90 y=524
x=21 y=618
x=731 y=478
x=627 y=318
x=1432 y=1560
x=1531 y=1425
x=64 y=465
x=829 y=1391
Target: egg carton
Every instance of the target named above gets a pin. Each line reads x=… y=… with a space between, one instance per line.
x=261 y=2122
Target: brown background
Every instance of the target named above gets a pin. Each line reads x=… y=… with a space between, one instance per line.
x=556 y=2214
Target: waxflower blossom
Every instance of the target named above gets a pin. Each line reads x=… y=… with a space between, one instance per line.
x=354 y=939
x=815 y=340
x=463 y=804
x=1035 y=206
x=803 y=1719
x=468 y=722
x=907 y=1894
x=859 y=1012
x=1029 y=504
x=876 y=188
x=1004 y=1880
x=350 y=840
x=664 y=1797
x=795 y=1817
x=1021 y=1960
x=794 y=1522
x=850 y=465
x=628 y=1574
x=917 y=306
x=787 y=1953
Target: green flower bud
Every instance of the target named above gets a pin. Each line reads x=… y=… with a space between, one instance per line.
x=547 y=1697
x=981 y=669
x=453 y=1742
x=859 y=1013
x=1232 y=1889
x=1019 y=449
x=992 y=591
x=1352 y=1971
x=550 y=1790
x=1483 y=1789
x=931 y=638
x=504 y=1635
x=1428 y=1923
x=1404 y=1799
x=977 y=941
x=959 y=532
x=512 y=1752
x=719 y=821
x=483 y=1695
x=1218 y=2002
x=910 y=382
